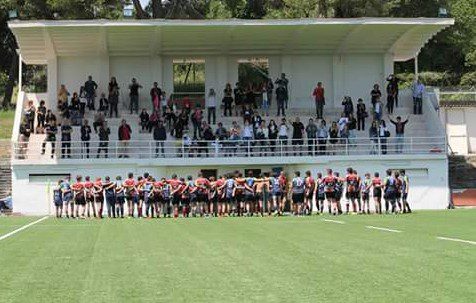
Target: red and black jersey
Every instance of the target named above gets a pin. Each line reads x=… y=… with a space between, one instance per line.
x=352 y=182
x=329 y=183
x=202 y=184
x=376 y=182
x=129 y=185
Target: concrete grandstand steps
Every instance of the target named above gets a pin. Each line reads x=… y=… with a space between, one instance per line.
x=462 y=172
x=5 y=180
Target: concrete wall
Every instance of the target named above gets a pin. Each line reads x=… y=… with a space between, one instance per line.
x=460 y=129
x=341 y=75
x=428 y=174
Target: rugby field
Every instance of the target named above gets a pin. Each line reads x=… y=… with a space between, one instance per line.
x=423 y=257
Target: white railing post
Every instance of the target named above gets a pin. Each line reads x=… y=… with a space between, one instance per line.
x=216 y=147
x=411 y=145
x=347 y=146
x=116 y=151
x=379 y=146
x=182 y=149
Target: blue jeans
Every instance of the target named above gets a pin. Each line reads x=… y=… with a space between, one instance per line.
x=134 y=105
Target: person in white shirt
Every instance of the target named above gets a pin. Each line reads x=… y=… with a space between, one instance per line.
x=163 y=102
x=383 y=133
x=211 y=104
x=343 y=121
x=262 y=135
x=418 y=91
x=378 y=109
x=247 y=136
x=283 y=134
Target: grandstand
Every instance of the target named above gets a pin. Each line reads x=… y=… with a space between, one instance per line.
x=348 y=56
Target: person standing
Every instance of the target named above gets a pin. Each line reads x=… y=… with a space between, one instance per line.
x=239 y=96
x=383 y=134
x=394 y=81
x=103 y=103
x=390 y=97
x=418 y=92
x=311 y=132
x=375 y=94
x=85 y=137
x=124 y=134
x=227 y=100
x=51 y=131
x=319 y=98
x=160 y=135
x=66 y=131
x=211 y=104
x=103 y=135
x=281 y=99
x=90 y=88
x=155 y=95
x=40 y=116
x=322 y=135
x=269 y=90
x=361 y=114
x=284 y=82
x=399 y=132
x=134 y=95
x=378 y=110
x=113 y=96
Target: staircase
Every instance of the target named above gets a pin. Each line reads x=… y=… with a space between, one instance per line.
x=5 y=180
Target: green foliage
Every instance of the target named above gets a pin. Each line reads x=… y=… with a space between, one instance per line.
x=34 y=78
x=468 y=80
x=218 y=10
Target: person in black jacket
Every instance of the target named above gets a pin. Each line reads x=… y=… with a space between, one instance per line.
x=160 y=135
x=85 y=136
x=361 y=114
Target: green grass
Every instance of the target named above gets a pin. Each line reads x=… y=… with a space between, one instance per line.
x=6 y=123
x=242 y=260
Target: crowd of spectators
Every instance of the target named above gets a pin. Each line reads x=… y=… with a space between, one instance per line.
x=197 y=126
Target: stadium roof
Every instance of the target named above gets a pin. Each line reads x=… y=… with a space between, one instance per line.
x=401 y=37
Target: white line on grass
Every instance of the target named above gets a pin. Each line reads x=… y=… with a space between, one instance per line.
x=22 y=228
x=457 y=240
x=333 y=221
x=384 y=229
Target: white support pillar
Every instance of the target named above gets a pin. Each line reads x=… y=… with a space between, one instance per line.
x=338 y=79
x=104 y=69
x=157 y=70
x=20 y=71
x=52 y=71
x=387 y=70
x=168 y=75
x=416 y=66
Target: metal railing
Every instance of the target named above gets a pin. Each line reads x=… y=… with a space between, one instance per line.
x=145 y=149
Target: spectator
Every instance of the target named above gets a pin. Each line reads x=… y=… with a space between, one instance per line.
x=207 y=138
x=272 y=134
x=144 y=120
x=344 y=135
x=320 y=100
x=261 y=134
x=343 y=121
x=394 y=81
x=196 y=118
x=418 y=91
x=76 y=103
x=66 y=131
x=211 y=104
x=361 y=114
x=399 y=132
x=269 y=90
x=134 y=96
x=85 y=137
x=373 y=135
x=63 y=94
x=113 y=90
x=283 y=134
x=124 y=135
x=90 y=88
x=227 y=100
x=49 y=116
x=250 y=97
x=163 y=101
x=51 y=131
x=155 y=96
x=348 y=106
x=40 y=116
x=103 y=103
x=352 y=126
x=99 y=119
x=390 y=97
x=322 y=135
x=281 y=99
x=82 y=101
x=160 y=135
x=311 y=132
x=247 y=114
x=169 y=116
x=30 y=111
x=256 y=120
x=283 y=82
x=180 y=125
x=103 y=135
x=153 y=120
x=298 y=131
x=247 y=136
x=221 y=132
x=375 y=94
x=333 y=136
x=238 y=94
x=265 y=102
x=25 y=133
x=378 y=109
x=383 y=134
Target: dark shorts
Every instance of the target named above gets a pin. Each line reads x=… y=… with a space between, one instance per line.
x=185 y=201
x=309 y=195
x=352 y=195
x=404 y=197
x=321 y=197
x=258 y=197
x=377 y=193
x=239 y=198
x=58 y=202
x=249 y=197
x=338 y=195
x=79 y=200
x=298 y=198
x=68 y=197
x=390 y=195
x=99 y=198
x=365 y=196
x=120 y=199
x=164 y=201
x=277 y=194
x=330 y=195
x=175 y=200
x=202 y=197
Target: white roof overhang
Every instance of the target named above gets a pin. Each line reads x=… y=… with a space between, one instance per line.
x=401 y=37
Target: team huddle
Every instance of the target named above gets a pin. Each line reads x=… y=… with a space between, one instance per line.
x=232 y=195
